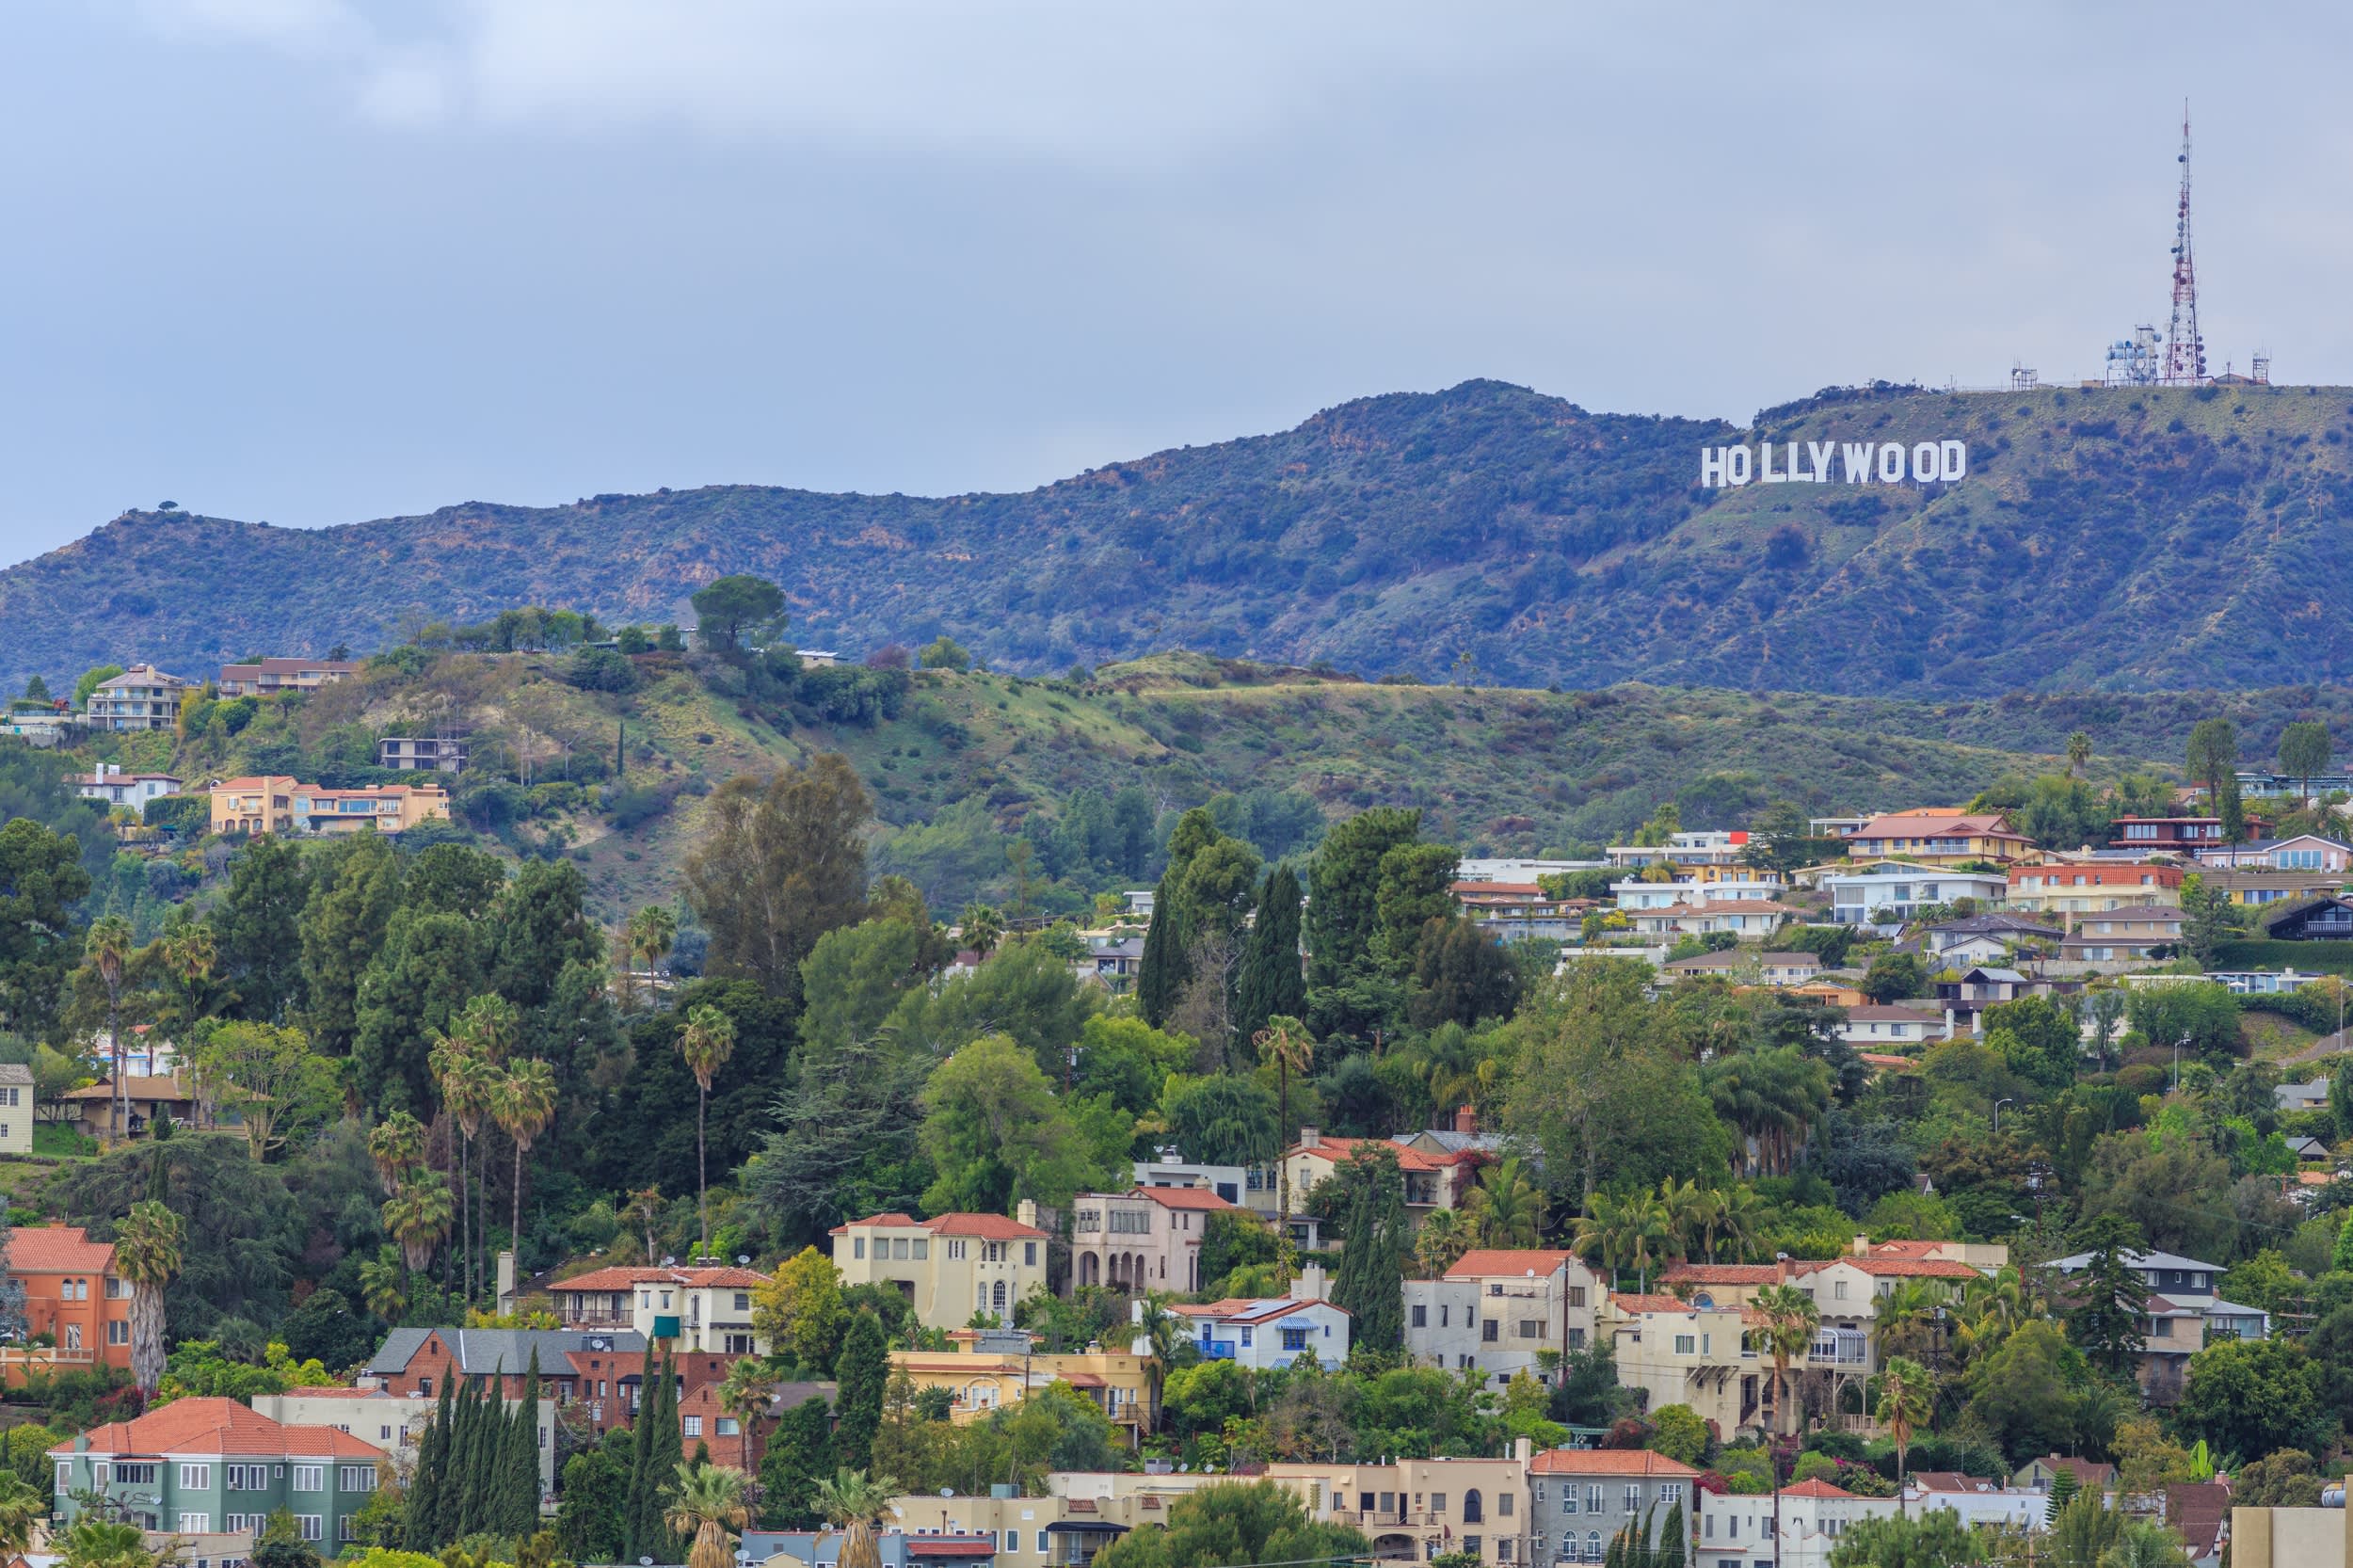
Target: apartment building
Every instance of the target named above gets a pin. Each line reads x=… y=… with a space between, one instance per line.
x=1498 y=1308
x=1690 y=1353
x=1695 y=850
x=1148 y=1239
x=949 y=1266
x=268 y=677
x=1580 y=1499
x=706 y=1309
x=280 y=803
x=200 y=1465
x=141 y=697
x=1799 y=1529
x=423 y=753
x=2057 y=887
x=1892 y=892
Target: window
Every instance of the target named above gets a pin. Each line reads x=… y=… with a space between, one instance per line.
x=1245 y=1337
x=742 y=1301
x=1592 y=1545
x=1496 y=1287
x=1685 y=1344
x=1577 y=1338
x=1531 y=1328
x=1576 y=1295
x=309 y=1524
x=1442 y=1315
x=1028 y=1254
x=1013 y=1541
x=857 y=1246
x=1592 y=1498
x=348 y=1527
x=693 y=1426
x=2161 y=1328
x=1568 y=1498
x=238 y=1523
x=899 y=1250
x=1633 y=1497
x=1474 y=1507
x=1489 y=1331
x=737 y=1344
x=923 y=1248
x=114 y=1291
x=119 y=1331
x=1838 y=1289
x=1471 y=1543
x=307 y=1477
x=1503 y=1549
x=1041 y=1543
x=355 y=1478
x=425 y=1388
x=74 y=1336
x=1503 y=1505
x=955 y=1249
x=193 y=1477
x=1294 y=1339
x=196 y=1524
x=248 y=1477
x=1421 y=1315
x=1671 y=1493
x=65 y=1475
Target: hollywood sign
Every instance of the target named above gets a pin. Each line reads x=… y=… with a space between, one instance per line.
x=1823 y=462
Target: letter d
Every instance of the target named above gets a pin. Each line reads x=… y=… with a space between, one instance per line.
x=1955 y=461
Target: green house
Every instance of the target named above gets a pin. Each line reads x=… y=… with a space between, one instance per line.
x=213 y=1466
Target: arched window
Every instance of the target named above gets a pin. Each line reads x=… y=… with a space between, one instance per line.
x=1474 y=1510
x=998 y=1296
x=1592 y=1545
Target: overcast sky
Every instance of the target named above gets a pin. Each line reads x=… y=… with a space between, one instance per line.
x=318 y=261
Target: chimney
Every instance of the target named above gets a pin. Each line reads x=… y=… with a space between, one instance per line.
x=1026 y=1212
x=1522 y=1448
x=1310 y=1138
x=1466 y=1119
x=1314 y=1284
x=1781 y=1268
x=506 y=1283
x=1862 y=1245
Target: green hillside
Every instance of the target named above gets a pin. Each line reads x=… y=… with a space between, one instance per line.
x=2119 y=540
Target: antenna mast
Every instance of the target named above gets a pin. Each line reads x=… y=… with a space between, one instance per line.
x=2184 y=351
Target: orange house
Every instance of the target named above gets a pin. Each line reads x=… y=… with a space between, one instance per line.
x=72 y=1294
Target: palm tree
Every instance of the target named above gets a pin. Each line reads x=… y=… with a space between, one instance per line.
x=1645 y=1221
x=1689 y=1208
x=384 y=1285
x=1787 y=1320
x=21 y=1506
x=983 y=928
x=108 y=947
x=650 y=936
x=645 y=1207
x=853 y=1505
x=2079 y=753
x=710 y=1500
x=1626 y=1232
x=456 y=1069
x=706 y=1042
x=147 y=1254
x=1741 y=1217
x=745 y=1395
x=525 y=1102
x=1906 y=1320
x=92 y=1542
x=1506 y=1210
x=419 y=1217
x=1905 y=1395
x=1285 y=1042
x=1438 y=1245
x=396 y=1144
x=189 y=954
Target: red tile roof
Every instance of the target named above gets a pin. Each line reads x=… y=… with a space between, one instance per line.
x=213 y=1426
x=1814 y=1486
x=1893 y=1267
x=1626 y=1300
x=1606 y=1462
x=57 y=1250
x=1337 y=1149
x=1717 y=1273
x=1485 y=1262
x=989 y=1227
x=621 y=1278
x=1183 y=1197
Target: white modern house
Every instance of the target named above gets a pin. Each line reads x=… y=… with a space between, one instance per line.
x=1886 y=892
x=1259 y=1333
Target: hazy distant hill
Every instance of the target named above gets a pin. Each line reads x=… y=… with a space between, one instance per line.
x=2103 y=539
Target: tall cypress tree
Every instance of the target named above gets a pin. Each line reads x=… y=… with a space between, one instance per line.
x=665 y=1450
x=449 y=1512
x=423 y=1533
x=517 y=1499
x=1160 y=973
x=633 y=1501
x=480 y=1448
x=862 y=1373
x=1271 y=982
x=1668 y=1552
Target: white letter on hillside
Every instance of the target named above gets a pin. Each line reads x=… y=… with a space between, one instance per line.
x=1819 y=452
x=1857 y=456
x=1923 y=462
x=1955 y=465
x=1765 y=472
x=1736 y=465
x=1712 y=467
x=1891 y=463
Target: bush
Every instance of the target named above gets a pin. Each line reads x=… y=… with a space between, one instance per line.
x=945 y=653
x=186 y=815
x=602 y=669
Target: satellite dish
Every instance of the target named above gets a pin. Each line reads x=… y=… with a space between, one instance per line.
x=743 y=1260
x=946 y=1490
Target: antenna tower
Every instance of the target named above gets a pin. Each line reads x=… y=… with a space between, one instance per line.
x=2184 y=351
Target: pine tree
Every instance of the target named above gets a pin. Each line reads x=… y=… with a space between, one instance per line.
x=1271 y=982
x=799 y=1451
x=2063 y=1489
x=860 y=1375
x=424 y=1525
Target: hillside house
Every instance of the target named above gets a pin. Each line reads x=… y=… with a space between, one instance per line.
x=268 y=677
x=2057 y=887
x=1754 y=968
x=1260 y=1333
x=1146 y=1239
x=2185 y=1314
x=1942 y=838
x=679 y=1309
x=1498 y=1308
x=2123 y=935
x=203 y=1462
x=2183 y=836
x=423 y=753
x=1891 y=892
x=949 y=1266
x=2305 y=852
x=2326 y=919
x=1692 y=849
x=141 y=697
x=1881 y=1024
x=130 y=791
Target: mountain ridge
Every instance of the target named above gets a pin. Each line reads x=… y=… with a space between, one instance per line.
x=2111 y=538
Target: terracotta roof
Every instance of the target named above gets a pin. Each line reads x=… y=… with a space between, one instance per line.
x=1486 y=1262
x=1626 y=1300
x=1337 y=1149
x=1893 y=1267
x=1814 y=1486
x=1606 y=1462
x=213 y=1426
x=620 y=1278
x=57 y=1250
x=989 y=1227
x=1935 y=824
x=1183 y=1197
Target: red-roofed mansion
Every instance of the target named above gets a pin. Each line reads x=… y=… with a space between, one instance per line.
x=679 y=1309
x=1495 y=1310
x=200 y=1467
x=949 y=1266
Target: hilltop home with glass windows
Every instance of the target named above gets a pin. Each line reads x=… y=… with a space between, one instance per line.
x=201 y=1467
x=1935 y=836
x=679 y=1309
x=141 y=697
x=949 y=1266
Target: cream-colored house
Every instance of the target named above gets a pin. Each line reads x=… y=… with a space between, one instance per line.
x=703 y=1309
x=1681 y=1352
x=948 y=1267
x=990 y=1368
x=16 y=1109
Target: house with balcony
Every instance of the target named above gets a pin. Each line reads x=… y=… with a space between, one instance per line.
x=2123 y=935
x=1693 y=850
x=1876 y=1026
x=268 y=677
x=141 y=699
x=2065 y=887
x=1225 y=1180
x=2182 y=835
x=1706 y=886
x=1432 y=1181
x=1579 y=1499
x=1745 y=966
x=679 y=1309
x=2185 y=1314
x=281 y=803
x=1676 y=1352
x=2324 y=919
x=201 y=1467
x=1748 y=920
x=1146 y=1239
x=2304 y=852
x=1263 y=1332
x=423 y=753
x=1889 y=892
x=990 y=1369
x=129 y=791
x=1497 y=1309
x=72 y=1293
x=1509 y=911
x=949 y=1266
x=2253 y=887
x=1935 y=836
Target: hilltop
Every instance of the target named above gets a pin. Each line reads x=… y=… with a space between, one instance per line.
x=2115 y=539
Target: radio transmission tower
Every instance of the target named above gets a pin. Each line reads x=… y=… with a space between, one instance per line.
x=2184 y=351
